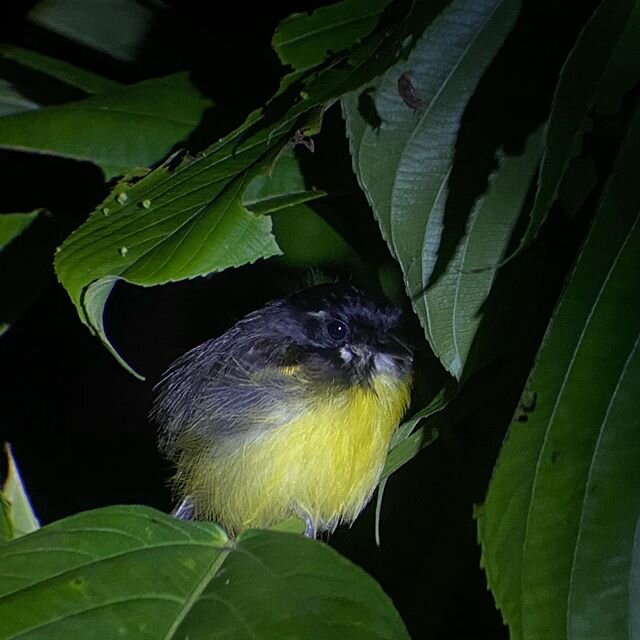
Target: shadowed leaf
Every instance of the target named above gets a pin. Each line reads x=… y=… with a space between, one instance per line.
x=304 y=41
x=559 y=526
x=86 y=81
x=404 y=164
x=595 y=57
x=13 y=224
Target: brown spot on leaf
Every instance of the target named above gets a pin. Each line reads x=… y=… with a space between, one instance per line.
x=408 y=93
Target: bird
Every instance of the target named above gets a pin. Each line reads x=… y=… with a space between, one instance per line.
x=289 y=413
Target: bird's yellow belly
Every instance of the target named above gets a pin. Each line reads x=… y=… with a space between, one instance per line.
x=323 y=465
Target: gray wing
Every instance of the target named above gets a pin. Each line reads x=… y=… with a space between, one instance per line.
x=225 y=389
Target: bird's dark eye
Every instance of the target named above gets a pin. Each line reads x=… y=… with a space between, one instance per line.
x=337 y=330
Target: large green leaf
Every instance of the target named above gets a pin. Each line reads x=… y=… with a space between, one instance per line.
x=189 y=220
x=132 y=572
x=17 y=517
x=163 y=229
x=596 y=56
x=403 y=164
x=304 y=41
x=305 y=239
x=560 y=521
x=134 y=126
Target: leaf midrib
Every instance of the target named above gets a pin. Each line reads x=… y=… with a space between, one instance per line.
x=197 y=590
x=96 y=561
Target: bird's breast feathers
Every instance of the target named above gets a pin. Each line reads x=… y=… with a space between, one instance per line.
x=323 y=463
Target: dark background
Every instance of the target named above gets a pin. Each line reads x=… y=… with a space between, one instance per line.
x=78 y=422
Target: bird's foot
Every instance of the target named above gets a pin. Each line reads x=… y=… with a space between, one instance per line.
x=185 y=510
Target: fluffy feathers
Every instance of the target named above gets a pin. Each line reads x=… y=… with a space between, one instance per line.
x=277 y=418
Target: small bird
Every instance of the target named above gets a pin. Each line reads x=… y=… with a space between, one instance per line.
x=288 y=413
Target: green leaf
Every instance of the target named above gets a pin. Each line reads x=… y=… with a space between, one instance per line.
x=308 y=241
x=437 y=404
x=13 y=224
x=283 y=187
x=17 y=517
x=408 y=441
x=304 y=41
x=5 y=523
x=453 y=305
x=560 y=520
x=578 y=88
x=304 y=238
x=407 y=449
x=621 y=73
x=86 y=81
x=163 y=229
x=116 y=27
x=135 y=126
x=405 y=444
x=132 y=572
x=187 y=221
x=403 y=165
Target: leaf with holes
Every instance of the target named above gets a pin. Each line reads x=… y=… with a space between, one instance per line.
x=132 y=572
x=559 y=529
x=304 y=41
x=168 y=226
x=187 y=218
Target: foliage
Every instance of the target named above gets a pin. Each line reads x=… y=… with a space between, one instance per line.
x=404 y=168
x=494 y=181
x=560 y=522
x=190 y=580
